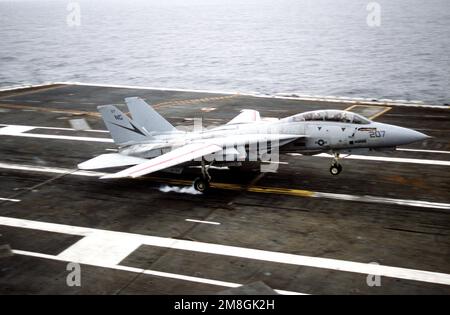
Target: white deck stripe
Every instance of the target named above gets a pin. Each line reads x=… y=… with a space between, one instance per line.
x=216 y=249
x=8 y=199
x=57 y=137
x=426 y=151
x=14 y=130
x=24 y=86
x=148 y=272
x=394 y=159
x=382 y=159
x=374 y=199
x=299 y=96
x=54 y=170
x=383 y=200
x=20 y=131
x=303 y=97
x=101 y=249
x=55 y=128
x=200 y=221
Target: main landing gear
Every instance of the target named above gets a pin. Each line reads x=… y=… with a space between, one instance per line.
x=201 y=184
x=335 y=167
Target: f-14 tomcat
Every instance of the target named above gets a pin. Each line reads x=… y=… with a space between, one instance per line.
x=150 y=143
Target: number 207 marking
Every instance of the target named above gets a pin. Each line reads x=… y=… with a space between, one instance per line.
x=377 y=134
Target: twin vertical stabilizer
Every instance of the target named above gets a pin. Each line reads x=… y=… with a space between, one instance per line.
x=146 y=122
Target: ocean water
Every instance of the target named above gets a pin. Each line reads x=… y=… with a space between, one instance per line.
x=316 y=47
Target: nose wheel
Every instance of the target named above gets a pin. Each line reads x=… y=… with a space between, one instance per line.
x=335 y=167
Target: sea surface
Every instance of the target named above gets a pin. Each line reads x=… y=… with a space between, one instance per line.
x=316 y=47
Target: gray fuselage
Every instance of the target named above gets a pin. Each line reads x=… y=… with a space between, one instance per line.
x=332 y=131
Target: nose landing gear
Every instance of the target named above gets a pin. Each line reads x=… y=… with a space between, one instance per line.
x=201 y=184
x=335 y=167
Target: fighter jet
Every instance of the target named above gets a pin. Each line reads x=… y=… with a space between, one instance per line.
x=150 y=143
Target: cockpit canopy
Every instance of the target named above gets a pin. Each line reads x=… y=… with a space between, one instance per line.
x=331 y=115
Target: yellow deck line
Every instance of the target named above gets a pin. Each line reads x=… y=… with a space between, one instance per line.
x=97 y=114
x=315 y=194
x=32 y=90
x=282 y=191
x=191 y=101
x=227 y=186
x=380 y=113
x=49 y=109
x=386 y=109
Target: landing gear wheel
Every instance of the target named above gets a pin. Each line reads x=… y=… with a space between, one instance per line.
x=335 y=169
x=201 y=184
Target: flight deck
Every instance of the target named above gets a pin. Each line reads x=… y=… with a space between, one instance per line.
x=381 y=227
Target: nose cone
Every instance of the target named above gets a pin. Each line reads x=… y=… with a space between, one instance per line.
x=406 y=136
x=392 y=136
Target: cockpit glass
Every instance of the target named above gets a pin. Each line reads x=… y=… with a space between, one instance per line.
x=298 y=118
x=332 y=115
x=357 y=119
